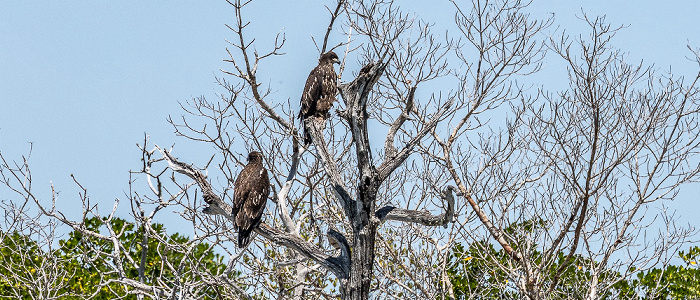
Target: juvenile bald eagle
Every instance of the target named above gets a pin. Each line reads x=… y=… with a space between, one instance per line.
x=319 y=92
x=249 y=197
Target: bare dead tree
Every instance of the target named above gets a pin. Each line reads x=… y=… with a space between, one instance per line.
x=419 y=158
x=589 y=161
x=356 y=191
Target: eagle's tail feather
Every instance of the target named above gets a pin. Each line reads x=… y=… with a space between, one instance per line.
x=243 y=238
x=307 y=136
x=307 y=139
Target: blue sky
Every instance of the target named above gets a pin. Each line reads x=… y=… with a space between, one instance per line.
x=83 y=80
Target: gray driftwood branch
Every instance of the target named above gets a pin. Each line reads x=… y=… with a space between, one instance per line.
x=389 y=212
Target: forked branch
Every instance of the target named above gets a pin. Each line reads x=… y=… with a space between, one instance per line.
x=334 y=15
x=315 y=127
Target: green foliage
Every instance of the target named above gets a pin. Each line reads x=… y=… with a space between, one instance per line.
x=17 y=252
x=86 y=262
x=477 y=269
x=471 y=275
x=474 y=270
x=674 y=282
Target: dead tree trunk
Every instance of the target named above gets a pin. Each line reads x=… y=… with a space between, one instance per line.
x=362 y=212
x=364 y=223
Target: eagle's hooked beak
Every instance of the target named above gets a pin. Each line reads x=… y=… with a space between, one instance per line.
x=336 y=61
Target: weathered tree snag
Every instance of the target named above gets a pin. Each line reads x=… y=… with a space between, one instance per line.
x=366 y=219
x=364 y=223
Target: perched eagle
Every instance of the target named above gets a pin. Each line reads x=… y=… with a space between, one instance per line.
x=250 y=193
x=319 y=92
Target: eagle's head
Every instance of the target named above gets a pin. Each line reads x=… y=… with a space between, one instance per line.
x=255 y=157
x=330 y=57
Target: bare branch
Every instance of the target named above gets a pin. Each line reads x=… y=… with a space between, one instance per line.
x=422 y=217
x=339 y=265
x=315 y=127
x=334 y=15
x=389 y=148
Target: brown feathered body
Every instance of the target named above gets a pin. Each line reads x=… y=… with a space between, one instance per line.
x=250 y=193
x=320 y=91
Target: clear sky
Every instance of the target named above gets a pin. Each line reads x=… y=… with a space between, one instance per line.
x=83 y=80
